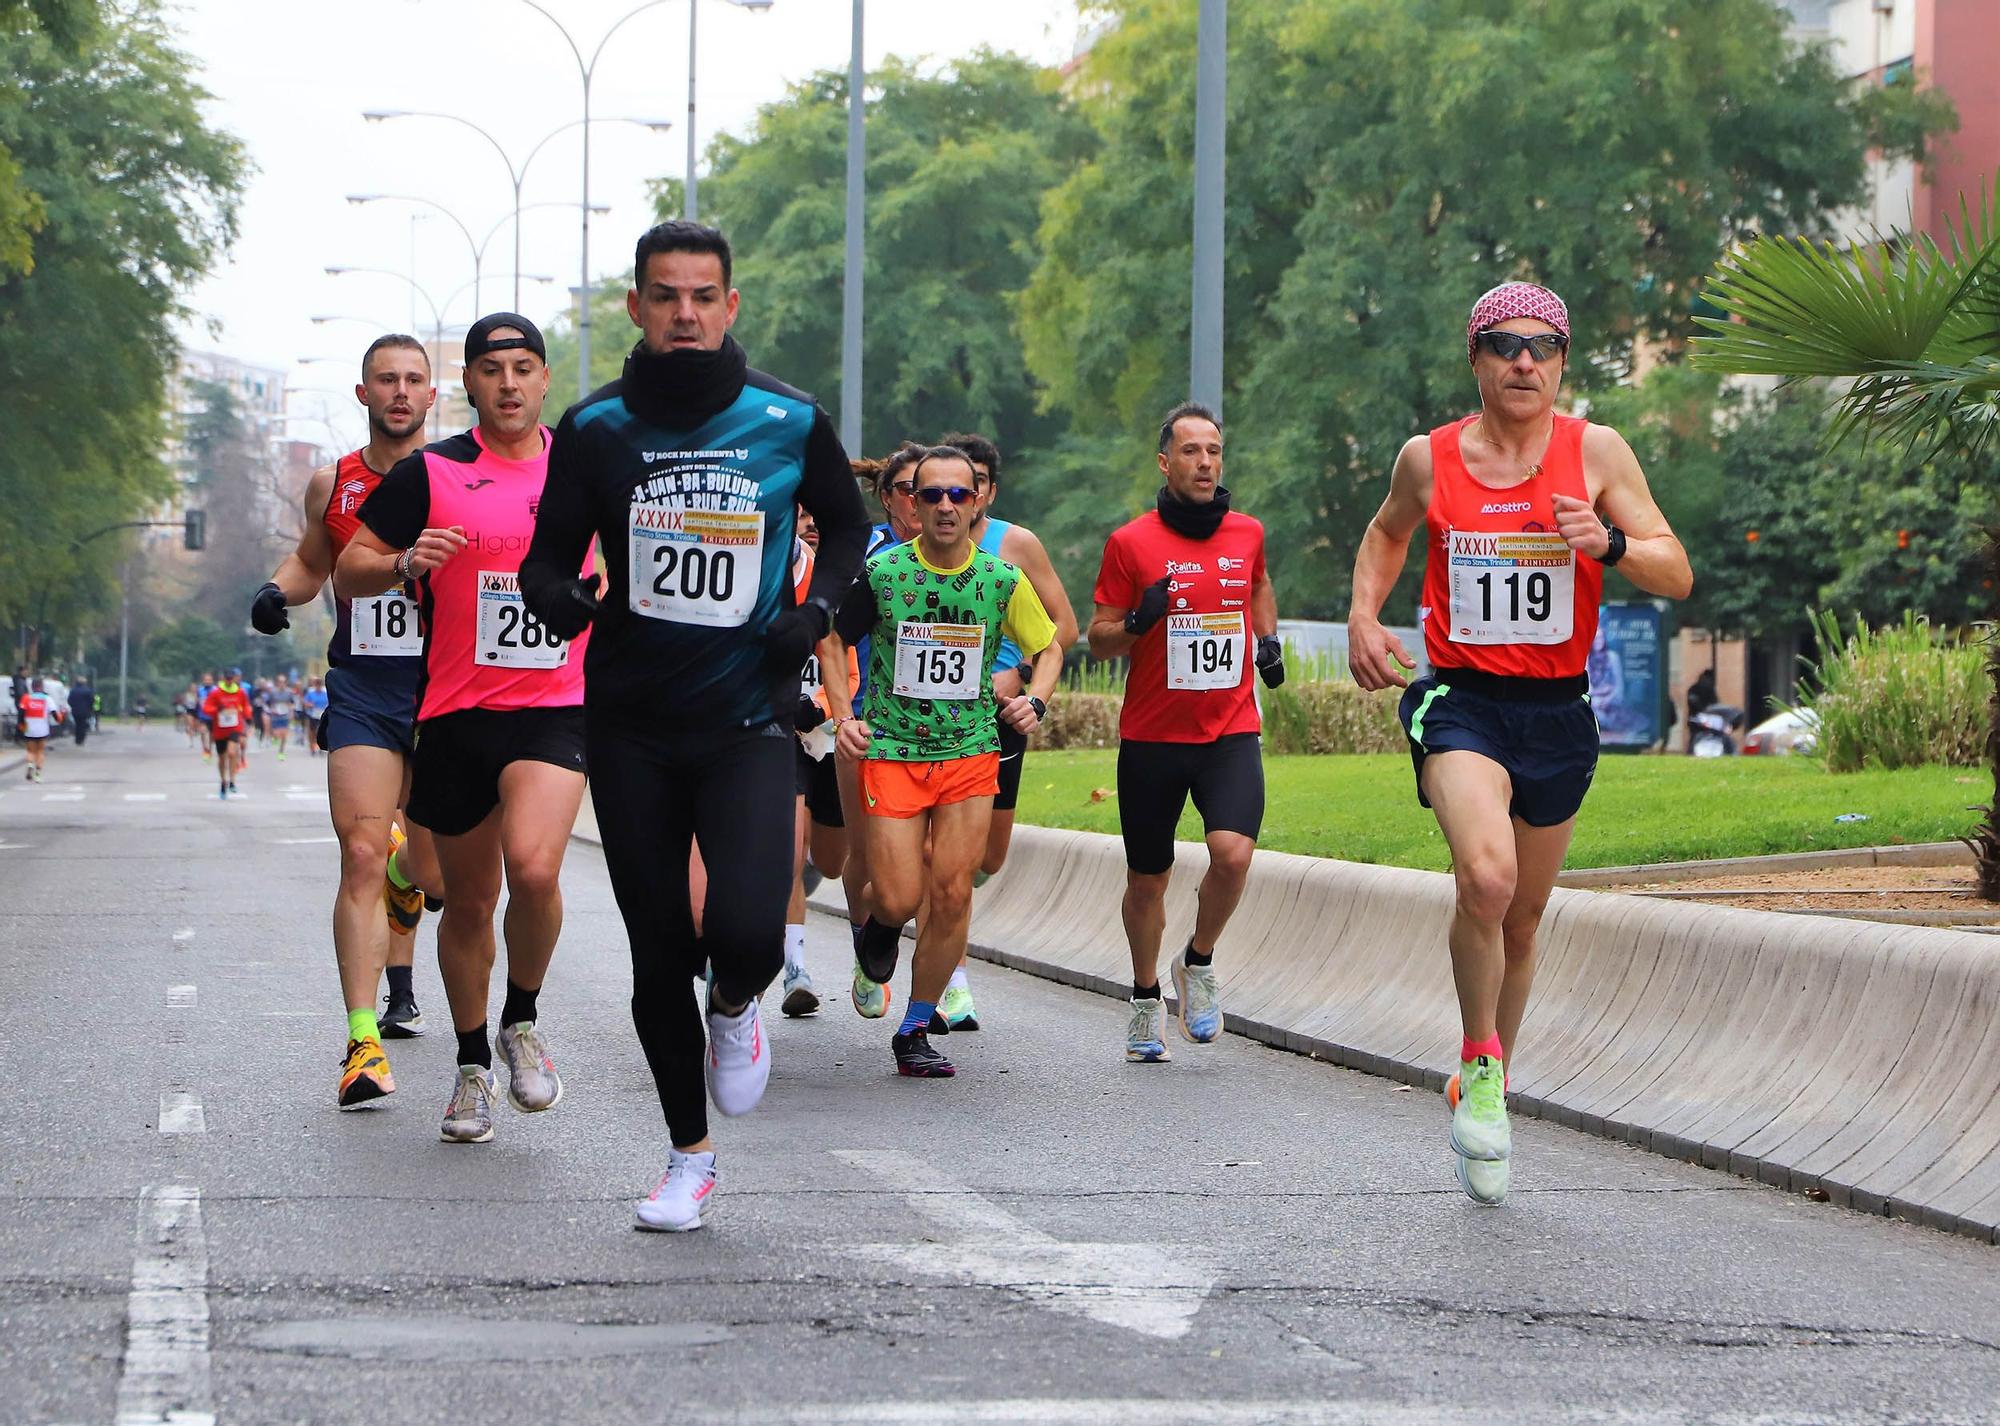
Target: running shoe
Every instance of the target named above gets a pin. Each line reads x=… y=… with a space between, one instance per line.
x=1145 y=1044
x=812 y=876
x=365 y=1077
x=879 y=949
x=405 y=908
x=871 y=997
x=956 y=1007
x=685 y=1192
x=1200 y=1013
x=739 y=1059
x=1479 y=1123
x=1484 y=1180
x=532 y=1082
x=800 y=997
x=916 y=1058
x=1451 y=1093
x=468 y=1118
x=400 y=1019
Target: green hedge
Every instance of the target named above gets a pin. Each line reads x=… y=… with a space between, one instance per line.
x=1298 y=718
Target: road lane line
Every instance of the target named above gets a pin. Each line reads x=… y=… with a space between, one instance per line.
x=180 y=997
x=305 y=796
x=181 y=1113
x=145 y=797
x=1136 y=1286
x=1149 y=1411
x=165 y=1380
x=304 y=841
x=62 y=797
x=186 y=933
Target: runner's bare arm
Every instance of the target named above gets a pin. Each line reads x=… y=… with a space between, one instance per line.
x=1044 y=671
x=1654 y=558
x=1372 y=651
x=368 y=566
x=833 y=674
x=1024 y=549
x=309 y=566
x=1108 y=639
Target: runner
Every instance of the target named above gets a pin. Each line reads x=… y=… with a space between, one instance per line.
x=822 y=835
x=201 y=692
x=314 y=701
x=227 y=708
x=1501 y=731
x=687 y=469
x=1018 y=546
x=499 y=762
x=375 y=666
x=1182 y=591
x=279 y=705
x=929 y=745
x=33 y=716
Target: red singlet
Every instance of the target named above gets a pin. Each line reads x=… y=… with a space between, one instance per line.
x=1503 y=592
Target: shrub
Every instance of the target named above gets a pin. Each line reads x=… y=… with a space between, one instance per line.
x=1900 y=696
x=1080 y=720
x=1298 y=718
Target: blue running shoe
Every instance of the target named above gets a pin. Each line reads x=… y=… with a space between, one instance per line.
x=1144 y=1043
x=1200 y=1014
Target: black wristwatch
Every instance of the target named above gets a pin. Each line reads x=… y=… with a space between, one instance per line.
x=1041 y=708
x=825 y=607
x=1615 y=551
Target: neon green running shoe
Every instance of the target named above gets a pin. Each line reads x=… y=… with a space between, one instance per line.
x=1479 y=1124
x=871 y=997
x=956 y=1007
x=1484 y=1180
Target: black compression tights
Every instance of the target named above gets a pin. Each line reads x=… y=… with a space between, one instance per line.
x=652 y=798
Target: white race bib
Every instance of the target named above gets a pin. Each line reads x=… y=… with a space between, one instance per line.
x=695 y=566
x=1517 y=588
x=384 y=627
x=811 y=682
x=509 y=636
x=939 y=660
x=1206 y=650
x=227 y=716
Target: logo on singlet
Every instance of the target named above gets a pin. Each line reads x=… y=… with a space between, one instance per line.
x=1505 y=507
x=479 y=484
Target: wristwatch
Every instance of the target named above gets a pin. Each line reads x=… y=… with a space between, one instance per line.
x=1041 y=708
x=1615 y=551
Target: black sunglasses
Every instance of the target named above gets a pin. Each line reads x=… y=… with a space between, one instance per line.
x=901 y=487
x=1507 y=345
x=936 y=494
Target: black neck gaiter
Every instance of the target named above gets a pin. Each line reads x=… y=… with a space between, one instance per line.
x=680 y=389
x=1196 y=521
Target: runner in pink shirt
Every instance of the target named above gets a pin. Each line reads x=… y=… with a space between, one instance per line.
x=500 y=719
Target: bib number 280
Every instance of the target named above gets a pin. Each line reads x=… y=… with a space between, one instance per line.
x=510 y=636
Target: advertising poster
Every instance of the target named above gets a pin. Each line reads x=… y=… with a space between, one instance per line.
x=1625 y=672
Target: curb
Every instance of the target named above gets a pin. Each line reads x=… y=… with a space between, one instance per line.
x=1918 y=854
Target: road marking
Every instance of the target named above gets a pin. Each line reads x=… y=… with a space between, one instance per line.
x=62 y=797
x=304 y=796
x=13 y=846
x=181 y=1113
x=186 y=933
x=180 y=997
x=145 y=797
x=1148 y=1411
x=1131 y=1285
x=304 y=841
x=165 y=1381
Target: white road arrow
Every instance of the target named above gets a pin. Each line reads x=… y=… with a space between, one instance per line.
x=1136 y=1286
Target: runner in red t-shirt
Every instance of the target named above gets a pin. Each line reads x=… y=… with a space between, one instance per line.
x=227 y=708
x=1183 y=591
x=1501 y=730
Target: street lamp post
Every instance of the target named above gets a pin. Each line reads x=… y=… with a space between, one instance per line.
x=437 y=320
x=850 y=290
x=1210 y=117
x=362 y=199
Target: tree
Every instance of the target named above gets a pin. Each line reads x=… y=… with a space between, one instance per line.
x=1916 y=329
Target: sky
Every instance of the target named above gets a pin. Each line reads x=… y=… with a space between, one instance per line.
x=291 y=80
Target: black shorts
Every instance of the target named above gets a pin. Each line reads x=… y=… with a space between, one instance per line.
x=1541 y=730
x=819 y=784
x=455 y=778
x=1013 y=753
x=1155 y=780
x=371 y=708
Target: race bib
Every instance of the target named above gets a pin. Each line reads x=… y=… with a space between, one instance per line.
x=227 y=717
x=1515 y=588
x=509 y=636
x=384 y=627
x=810 y=681
x=695 y=566
x=939 y=660
x=1206 y=650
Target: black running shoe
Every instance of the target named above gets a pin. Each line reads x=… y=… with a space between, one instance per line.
x=938 y=1026
x=878 y=949
x=916 y=1058
x=401 y=1020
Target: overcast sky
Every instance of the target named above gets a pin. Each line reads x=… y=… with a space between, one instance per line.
x=291 y=80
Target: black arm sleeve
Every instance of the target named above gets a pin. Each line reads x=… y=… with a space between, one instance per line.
x=562 y=527
x=854 y=618
x=399 y=508
x=829 y=494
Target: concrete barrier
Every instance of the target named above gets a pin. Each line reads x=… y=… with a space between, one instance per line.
x=1855 y=1059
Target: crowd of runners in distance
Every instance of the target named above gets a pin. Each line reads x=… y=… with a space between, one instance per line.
x=220 y=714
x=680 y=590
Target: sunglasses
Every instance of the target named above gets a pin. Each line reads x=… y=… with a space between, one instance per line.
x=938 y=494
x=1544 y=346
x=903 y=487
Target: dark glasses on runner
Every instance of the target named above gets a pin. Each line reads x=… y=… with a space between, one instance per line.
x=936 y=494
x=1544 y=346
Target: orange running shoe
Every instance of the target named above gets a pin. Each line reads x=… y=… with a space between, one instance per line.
x=1451 y=1093
x=405 y=908
x=365 y=1077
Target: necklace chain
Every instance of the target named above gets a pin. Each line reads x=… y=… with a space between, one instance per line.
x=1533 y=468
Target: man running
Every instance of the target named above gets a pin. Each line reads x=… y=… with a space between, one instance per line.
x=688 y=469
x=227 y=709
x=499 y=763
x=368 y=722
x=1501 y=731
x=313 y=701
x=201 y=692
x=824 y=686
x=1182 y=591
x=934 y=612
x=32 y=718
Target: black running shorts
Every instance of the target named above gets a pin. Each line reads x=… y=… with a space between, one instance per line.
x=455 y=781
x=819 y=784
x=1013 y=754
x=1541 y=730
x=1155 y=780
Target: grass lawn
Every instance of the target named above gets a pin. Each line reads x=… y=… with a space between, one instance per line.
x=1640 y=809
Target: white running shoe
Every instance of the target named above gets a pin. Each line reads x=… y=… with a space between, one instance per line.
x=1484 y=1180
x=800 y=997
x=468 y=1116
x=683 y=1194
x=532 y=1082
x=739 y=1060
x=1144 y=1044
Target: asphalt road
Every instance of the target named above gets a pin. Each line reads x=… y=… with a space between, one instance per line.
x=1240 y=1236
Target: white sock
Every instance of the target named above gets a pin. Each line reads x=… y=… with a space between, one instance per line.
x=958 y=980
x=795 y=947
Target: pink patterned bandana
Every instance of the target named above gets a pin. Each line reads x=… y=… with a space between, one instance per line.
x=1508 y=301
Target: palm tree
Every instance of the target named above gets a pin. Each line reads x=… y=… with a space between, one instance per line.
x=1915 y=329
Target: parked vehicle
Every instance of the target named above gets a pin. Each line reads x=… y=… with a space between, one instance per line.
x=1713 y=730
x=1796 y=730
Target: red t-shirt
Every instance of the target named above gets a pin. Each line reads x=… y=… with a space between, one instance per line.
x=228 y=709
x=1191 y=675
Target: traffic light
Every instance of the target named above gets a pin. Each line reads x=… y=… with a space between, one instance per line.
x=194 y=530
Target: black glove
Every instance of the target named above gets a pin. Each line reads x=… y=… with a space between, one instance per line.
x=794 y=634
x=267 y=611
x=1152 y=607
x=571 y=611
x=809 y=716
x=1270 y=660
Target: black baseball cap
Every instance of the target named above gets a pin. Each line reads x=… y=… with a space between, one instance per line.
x=479 y=338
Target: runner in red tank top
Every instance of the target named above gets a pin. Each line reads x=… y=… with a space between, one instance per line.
x=501 y=720
x=375 y=665
x=1524 y=509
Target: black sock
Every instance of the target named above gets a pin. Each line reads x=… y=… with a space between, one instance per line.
x=880 y=933
x=520 y=1005
x=1196 y=958
x=1145 y=992
x=399 y=981
x=473 y=1048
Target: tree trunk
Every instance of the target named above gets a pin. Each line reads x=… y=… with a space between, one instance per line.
x=1985 y=838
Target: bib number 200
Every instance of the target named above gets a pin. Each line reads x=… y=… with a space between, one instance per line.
x=693 y=573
